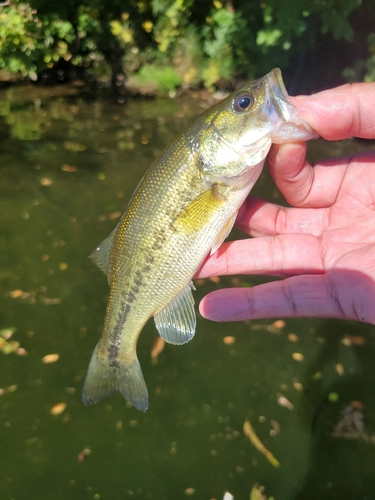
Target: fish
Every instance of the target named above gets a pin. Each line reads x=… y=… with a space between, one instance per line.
x=182 y=210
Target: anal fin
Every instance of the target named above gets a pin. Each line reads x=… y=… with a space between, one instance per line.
x=177 y=321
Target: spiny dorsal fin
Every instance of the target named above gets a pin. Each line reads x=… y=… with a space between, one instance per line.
x=176 y=322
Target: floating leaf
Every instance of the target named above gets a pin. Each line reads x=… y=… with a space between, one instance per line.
x=250 y=433
x=157 y=348
x=74 y=146
x=229 y=340
x=45 y=181
x=50 y=358
x=6 y=333
x=69 y=168
x=58 y=408
x=297 y=356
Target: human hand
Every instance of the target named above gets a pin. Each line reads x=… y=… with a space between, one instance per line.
x=323 y=247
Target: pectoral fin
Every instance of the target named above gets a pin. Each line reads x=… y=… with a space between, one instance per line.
x=200 y=211
x=102 y=252
x=223 y=234
x=176 y=322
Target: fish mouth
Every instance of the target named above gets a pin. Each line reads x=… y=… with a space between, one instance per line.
x=287 y=122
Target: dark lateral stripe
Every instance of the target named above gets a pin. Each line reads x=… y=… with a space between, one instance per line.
x=116 y=334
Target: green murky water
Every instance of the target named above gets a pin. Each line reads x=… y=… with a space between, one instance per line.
x=68 y=165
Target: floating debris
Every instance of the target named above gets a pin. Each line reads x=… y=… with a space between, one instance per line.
x=157 y=348
x=83 y=454
x=274 y=327
x=11 y=388
x=8 y=346
x=333 y=397
x=257 y=493
x=292 y=337
x=58 y=243
x=275 y=428
x=69 y=168
x=50 y=358
x=250 y=433
x=199 y=282
x=189 y=491
x=74 y=146
x=282 y=401
x=58 y=408
x=298 y=386
x=358 y=340
x=297 y=356
x=63 y=266
x=339 y=369
x=114 y=215
x=229 y=340
x=228 y=496
x=50 y=302
x=45 y=181
x=6 y=333
x=238 y=282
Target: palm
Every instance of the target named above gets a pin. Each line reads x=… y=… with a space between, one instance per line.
x=348 y=234
x=327 y=253
x=323 y=247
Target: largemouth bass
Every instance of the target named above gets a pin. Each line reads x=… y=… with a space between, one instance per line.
x=183 y=209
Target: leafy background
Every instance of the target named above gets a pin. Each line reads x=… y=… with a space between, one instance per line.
x=163 y=45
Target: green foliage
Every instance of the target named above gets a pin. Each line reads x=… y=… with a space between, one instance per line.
x=364 y=68
x=157 y=78
x=219 y=44
x=30 y=43
x=168 y=42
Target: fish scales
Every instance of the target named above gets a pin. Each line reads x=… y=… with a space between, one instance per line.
x=183 y=208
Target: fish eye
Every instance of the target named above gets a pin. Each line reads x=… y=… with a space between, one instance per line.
x=243 y=102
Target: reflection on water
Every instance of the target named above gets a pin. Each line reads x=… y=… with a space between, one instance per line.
x=69 y=163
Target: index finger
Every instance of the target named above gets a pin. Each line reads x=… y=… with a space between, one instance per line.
x=342 y=112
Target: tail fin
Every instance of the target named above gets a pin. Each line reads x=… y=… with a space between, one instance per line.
x=103 y=378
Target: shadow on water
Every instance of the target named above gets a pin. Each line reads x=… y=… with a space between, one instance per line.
x=68 y=167
x=340 y=468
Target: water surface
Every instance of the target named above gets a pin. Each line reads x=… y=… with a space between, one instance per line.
x=69 y=163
